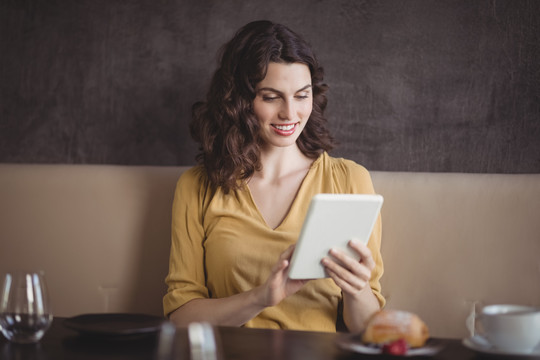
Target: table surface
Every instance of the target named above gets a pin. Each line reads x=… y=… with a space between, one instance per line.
x=237 y=343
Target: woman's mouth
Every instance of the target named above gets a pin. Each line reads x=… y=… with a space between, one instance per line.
x=285 y=129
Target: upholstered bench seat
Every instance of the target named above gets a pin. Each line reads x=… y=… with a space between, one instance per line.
x=101 y=233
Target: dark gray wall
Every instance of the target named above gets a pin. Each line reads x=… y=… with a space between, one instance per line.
x=415 y=85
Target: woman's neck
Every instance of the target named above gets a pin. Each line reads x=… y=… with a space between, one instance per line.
x=278 y=162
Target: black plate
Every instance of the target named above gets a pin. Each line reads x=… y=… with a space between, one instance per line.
x=114 y=324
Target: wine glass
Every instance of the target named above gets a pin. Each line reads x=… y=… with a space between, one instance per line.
x=25 y=312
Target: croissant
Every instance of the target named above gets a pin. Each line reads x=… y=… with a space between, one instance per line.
x=386 y=326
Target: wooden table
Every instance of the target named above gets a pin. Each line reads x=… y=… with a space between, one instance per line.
x=238 y=343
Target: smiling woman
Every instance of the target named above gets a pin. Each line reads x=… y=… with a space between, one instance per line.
x=237 y=215
x=283 y=103
x=225 y=124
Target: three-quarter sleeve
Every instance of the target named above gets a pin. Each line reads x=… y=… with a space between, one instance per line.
x=361 y=183
x=186 y=279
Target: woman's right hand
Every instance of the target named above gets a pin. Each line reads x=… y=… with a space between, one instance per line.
x=278 y=286
x=237 y=309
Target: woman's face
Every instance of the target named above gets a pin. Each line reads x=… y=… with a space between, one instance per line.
x=283 y=103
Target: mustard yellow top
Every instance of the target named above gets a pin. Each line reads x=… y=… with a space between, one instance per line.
x=222 y=246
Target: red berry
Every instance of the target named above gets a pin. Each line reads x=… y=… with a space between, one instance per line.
x=397 y=347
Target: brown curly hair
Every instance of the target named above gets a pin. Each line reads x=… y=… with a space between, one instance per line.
x=225 y=125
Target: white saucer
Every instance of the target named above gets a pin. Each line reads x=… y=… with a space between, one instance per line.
x=352 y=342
x=478 y=343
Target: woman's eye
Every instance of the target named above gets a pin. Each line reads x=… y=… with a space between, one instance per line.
x=270 y=98
x=302 y=96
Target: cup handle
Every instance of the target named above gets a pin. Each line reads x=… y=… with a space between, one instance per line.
x=472 y=323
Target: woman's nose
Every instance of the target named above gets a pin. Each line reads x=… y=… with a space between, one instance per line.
x=287 y=111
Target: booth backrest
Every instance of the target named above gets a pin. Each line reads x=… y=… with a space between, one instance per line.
x=451 y=241
x=101 y=234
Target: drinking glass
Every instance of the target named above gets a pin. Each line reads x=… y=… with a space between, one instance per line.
x=203 y=342
x=25 y=312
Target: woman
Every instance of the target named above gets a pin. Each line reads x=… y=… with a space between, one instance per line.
x=237 y=216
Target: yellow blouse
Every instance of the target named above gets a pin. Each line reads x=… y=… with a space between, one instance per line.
x=222 y=246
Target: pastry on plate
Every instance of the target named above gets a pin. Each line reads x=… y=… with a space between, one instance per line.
x=387 y=326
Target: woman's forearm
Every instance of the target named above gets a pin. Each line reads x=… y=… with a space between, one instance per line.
x=359 y=308
x=234 y=310
x=238 y=309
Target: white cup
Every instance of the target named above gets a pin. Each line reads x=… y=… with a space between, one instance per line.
x=510 y=328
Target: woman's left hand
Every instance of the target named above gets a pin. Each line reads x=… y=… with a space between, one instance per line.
x=351 y=275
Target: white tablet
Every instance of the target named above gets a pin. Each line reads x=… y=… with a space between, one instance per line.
x=331 y=221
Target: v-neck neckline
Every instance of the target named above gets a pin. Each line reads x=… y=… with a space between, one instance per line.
x=293 y=204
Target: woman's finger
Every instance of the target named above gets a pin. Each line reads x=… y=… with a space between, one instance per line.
x=344 y=272
x=283 y=260
x=349 y=271
x=288 y=252
x=346 y=261
x=364 y=252
x=347 y=286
